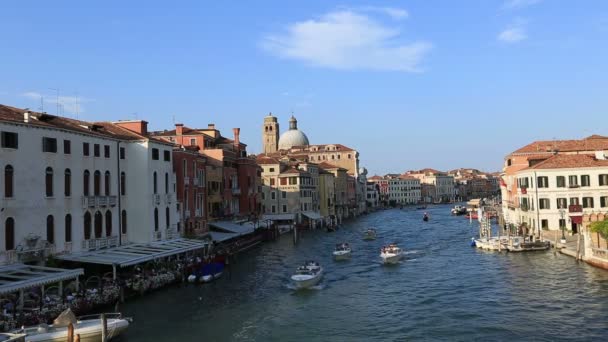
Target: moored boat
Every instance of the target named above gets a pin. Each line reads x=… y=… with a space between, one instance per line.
x=519 y=244
x=307 y=275
x=370 y=234
x=88 y=327
x=10 y=337
x=459 y=210
x=342 y=251
x=391 y=254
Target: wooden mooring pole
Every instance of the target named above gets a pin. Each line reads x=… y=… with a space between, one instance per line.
x=70 y=332
x=104 y=328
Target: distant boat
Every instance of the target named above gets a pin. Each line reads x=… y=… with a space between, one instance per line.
x=342 y=251
x=425 y=218
x=370 y=234
x=307 y=275
x=459 y=210
x=391 y=254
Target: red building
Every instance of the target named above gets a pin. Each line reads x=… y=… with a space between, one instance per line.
x=190 y=173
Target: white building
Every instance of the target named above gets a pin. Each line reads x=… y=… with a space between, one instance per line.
x=576 y=184
x=399 y=189
x=444 y=186
x=60 y=186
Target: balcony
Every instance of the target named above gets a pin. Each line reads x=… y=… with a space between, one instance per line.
x=102 y=201
x=168 y=198
x=187 y=214
x=112 y=201
x=236 y=191
x=186 y=180
x=574 y=186
x=88 y=202
x=172 y=233
x=100 y=243
x=8 y=257
x=156 y=199
x=40 y=251
x=157 y=236
x=196 y=181
x=198 y=213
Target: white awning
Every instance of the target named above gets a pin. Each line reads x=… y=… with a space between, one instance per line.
x=232 y=227
x=278 y=217
x=312 y=215
x=19 y=276
x=133 y=254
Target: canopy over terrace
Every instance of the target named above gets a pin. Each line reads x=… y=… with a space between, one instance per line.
x=138 y=253
x=18 y=277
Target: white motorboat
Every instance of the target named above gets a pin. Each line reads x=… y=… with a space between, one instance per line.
x=459 y=210
x=342 y=251
x=307 y=275
x=88 y=327
x=370 y=234
x=391 y=254
x=494 y=243
x=10 y=337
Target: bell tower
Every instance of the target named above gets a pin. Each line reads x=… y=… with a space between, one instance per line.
x=270 y=134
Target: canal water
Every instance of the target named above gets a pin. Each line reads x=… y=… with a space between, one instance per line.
x=443 y=290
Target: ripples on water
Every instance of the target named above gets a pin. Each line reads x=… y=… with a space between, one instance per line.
x=442 y=290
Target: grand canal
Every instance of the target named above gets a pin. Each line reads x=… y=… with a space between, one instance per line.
x=443 y=290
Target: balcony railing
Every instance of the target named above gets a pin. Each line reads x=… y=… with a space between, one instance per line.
x=88 y=202
x=600 y=253
x=198 y=213
x=157 y=236
x=102 y=201
x=156 y=199
x=236 y=191
x=98 y=201
x=100 y=243
x=168 y=198
x=37 y=253
x=112 y=200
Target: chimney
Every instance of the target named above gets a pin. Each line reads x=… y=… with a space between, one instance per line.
x=137 y=126
x=237 y=133
x=600 y=155
x=26 y=117
x=211 y=126
x=179 y=129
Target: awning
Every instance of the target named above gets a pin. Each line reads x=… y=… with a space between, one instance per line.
x=133 y=254
x=220 y=237
x=577 y=219
x=19 y=276
x=278 y=217
x=232 y=227
x=312 y=215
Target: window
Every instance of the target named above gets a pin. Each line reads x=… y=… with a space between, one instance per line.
x=273 y=195
x=155 y=219
x=9 y=234
x=67 y=183
x=604 y=201
x=523 y=182
x=263 y=196
x=155 y=184
x=10 y=140
x=271 y=169
x=68 y=228
x=284 y=208
x=108 y=223
x=8 y=181
x=48 y=181
x=561 y=181
x=293 y=180
x=97 y=183
x=573 y=181
x=96 y=150
x=122 y=153
x=50 y=229
x=86 y=182
x=166 y=182
x=167 y=155
x=67 y=147
x=274 y=209
x=543 y=182
x=585 y=180
x=106 y=183
x=123 y=221
x=123 y=184
x=562 y=203
x=574 y=201
x=283 y=181
x=167 y=218
x=106 y=151
x=154 y=154
x=544 y=203
x=193 y=142
x=587 y=202
x=283 y=194
x=87 y=225
x=85 y=149
x=603 y=179
x=98 y=224
x=544 y=224
x=49 y=145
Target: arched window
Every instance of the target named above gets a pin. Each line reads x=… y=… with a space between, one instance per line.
x=106 y=183
x=167 y=218
x=85 y=183
x=97 y=183
x=166 y=182
x=67 y=186
x=155 y=219
x=68 y=228
x=48 y=181
x=98 y=224
x=87 y=225
x=123 y=223
x=50 y=229
x=155 y=184
x=8 y=181
x=108 y=223
x=123 y=183
x=9 y=234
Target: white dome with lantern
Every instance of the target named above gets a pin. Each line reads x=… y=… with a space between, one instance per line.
x=293 y=137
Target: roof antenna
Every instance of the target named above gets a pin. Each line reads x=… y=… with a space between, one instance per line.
x=57 y=90
x=41 y=103
x=77 y=105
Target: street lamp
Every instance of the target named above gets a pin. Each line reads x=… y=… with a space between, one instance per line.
x=562 y=222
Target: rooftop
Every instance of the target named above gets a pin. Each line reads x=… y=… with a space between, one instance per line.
x=567 y=161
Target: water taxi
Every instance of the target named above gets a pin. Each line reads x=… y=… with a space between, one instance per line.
x=370 y=234
x=307 y=275
x=391 y=254
x=342 y=251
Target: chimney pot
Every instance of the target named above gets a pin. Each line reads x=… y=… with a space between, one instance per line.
x=179 y=129
x=237 y=133
x=211 y=126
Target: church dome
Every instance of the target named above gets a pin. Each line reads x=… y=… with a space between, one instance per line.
x=293 y=137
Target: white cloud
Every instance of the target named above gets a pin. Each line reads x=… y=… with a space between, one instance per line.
x=393 y=12
x=347 y=39
x=70 y=104
x=513 y=35
x=518 y=4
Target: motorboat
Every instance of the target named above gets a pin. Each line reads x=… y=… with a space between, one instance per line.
x=519 y=244
x=307 y=275
x=391 y=254
x=207 y=273
x=459 y=210
x=370 y=234
x=494 y=243
x=10 y=337
x=88 y=327
x=342 y=251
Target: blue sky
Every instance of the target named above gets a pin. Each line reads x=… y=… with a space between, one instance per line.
x=410 y=84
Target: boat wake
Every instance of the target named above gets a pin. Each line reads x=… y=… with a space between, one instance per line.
x=294 y=288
